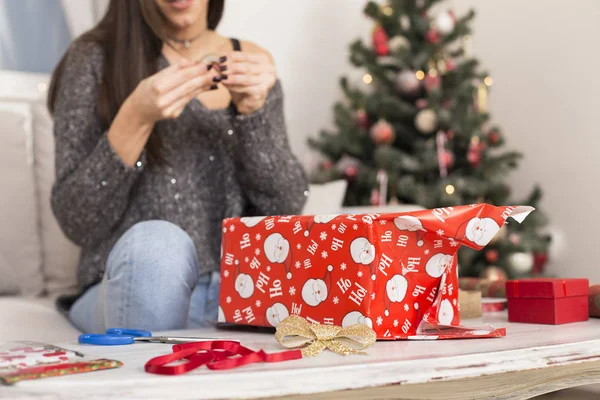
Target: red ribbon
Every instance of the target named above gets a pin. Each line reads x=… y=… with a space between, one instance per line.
x=216 y=355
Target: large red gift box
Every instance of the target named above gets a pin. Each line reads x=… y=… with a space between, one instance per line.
x=548 y=300
x=394 y=272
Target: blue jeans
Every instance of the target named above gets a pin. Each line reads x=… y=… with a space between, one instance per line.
x=152 y=282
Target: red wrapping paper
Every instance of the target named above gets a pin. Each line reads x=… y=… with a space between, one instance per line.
x=395 y=272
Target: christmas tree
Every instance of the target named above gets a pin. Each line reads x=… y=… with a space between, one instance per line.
x=417 y=131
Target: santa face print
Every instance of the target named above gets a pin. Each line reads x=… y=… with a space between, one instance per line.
x=408 y=223
x=251 y=221
x=323 y=219
x=438 y=264
x=362 y=251
x=356 y=317
x=277 y=313
x=244 y=285
x=411 y=224
x=277 y=248
x=481 y=230
x=314 y=292
x=445 y=312
x=396 y=288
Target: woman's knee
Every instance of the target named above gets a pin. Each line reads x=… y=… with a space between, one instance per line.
x=155 y=247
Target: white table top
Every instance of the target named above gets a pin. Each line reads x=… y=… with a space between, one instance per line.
x=400 y=362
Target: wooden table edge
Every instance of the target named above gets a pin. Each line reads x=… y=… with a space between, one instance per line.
x=512 y=385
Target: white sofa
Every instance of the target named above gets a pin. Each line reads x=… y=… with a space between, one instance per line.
x=37 y=263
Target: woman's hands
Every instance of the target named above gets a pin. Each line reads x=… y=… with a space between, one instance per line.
x=249 y=78
x=165 y=94
x=160 y=96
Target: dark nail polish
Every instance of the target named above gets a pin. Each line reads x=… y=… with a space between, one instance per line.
x=223 y=77
x=214 y=87
x=223 y=59
x=208 y=67
x=217 y=79
x=223 y=68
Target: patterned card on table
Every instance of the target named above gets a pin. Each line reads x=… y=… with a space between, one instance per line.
x=32 y=360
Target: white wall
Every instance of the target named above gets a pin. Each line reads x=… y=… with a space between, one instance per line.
x=544 y=60
x=546 y=95
x=309 y=40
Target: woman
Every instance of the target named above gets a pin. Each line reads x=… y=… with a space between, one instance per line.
x=163 y=128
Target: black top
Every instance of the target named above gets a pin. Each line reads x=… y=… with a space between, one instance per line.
x=236 y=44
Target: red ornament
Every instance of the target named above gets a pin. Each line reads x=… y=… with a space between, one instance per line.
x=450 y=134
x=327 y=164
x=362 y=119
x=447 y=158
x=452 y=15
x=432 y=82
x=514 y=238
x=491 y=256
x=380 y=41
x=494 y=137
x=421 y=103
x=474 y=151
x=351 y=172
x=433 y=36
x=375 y=197
x=474 y=158
x=450 y=65
x=382 y=132
x=539 y=262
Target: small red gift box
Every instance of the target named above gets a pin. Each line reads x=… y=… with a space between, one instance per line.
x=547 y=300
x=394 y=272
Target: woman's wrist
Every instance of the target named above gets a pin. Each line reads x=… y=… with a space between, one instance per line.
x=129 y=133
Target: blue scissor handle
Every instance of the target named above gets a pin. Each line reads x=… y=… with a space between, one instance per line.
x=101 y=339
x=130 y=332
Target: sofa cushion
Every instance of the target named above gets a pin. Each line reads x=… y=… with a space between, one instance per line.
x=20 y=250
x=325 y=198
x=33 y=319
x=59 y=254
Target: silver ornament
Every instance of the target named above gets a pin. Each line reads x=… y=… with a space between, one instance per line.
x=407 y=83
x=521 y=263
x=444 y=23
x=387 y=61
x=426 y=121
x=405 y=22
x=398 y=43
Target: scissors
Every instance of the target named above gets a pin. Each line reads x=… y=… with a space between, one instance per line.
x=121 y=336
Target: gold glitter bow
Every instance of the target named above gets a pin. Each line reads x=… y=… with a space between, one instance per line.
x=295 y=331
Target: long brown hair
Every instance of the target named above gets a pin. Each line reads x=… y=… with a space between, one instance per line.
x=131 y=38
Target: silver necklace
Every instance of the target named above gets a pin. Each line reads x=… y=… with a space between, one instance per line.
x=186 y=42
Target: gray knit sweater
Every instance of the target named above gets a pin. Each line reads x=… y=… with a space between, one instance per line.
x=220 y=164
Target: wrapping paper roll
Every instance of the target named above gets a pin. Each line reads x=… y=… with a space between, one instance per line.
x=469 y=304
x=594 y=302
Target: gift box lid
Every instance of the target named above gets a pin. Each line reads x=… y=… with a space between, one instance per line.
x=550 y=288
